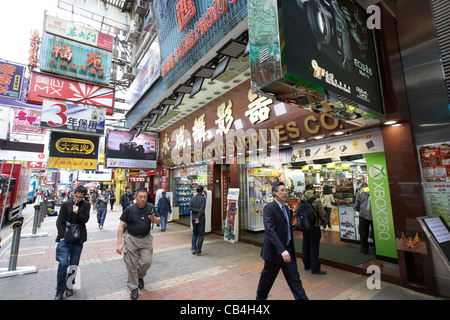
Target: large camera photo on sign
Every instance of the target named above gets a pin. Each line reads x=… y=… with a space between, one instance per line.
x=124 y=145
x=328 y=44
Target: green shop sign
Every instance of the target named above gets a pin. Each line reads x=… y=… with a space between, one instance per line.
x=380 y=201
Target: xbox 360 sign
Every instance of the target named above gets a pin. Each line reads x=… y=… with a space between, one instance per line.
x=380 y=201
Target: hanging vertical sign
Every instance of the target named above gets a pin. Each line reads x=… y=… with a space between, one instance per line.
x=231 y=232
x=380 y=201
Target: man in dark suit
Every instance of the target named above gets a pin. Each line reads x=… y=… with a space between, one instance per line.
x=278 y=249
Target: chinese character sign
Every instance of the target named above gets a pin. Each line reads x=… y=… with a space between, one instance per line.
x=75 y=60
x=68 y=117
x=72 y=31
x=27 y=121
x=185 y=12
x=11 y=80
x=35 y=41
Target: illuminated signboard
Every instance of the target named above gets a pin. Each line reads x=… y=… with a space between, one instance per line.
x=11 y=80
x=44 y=86
x=72 y=31
x=73 y=151
x=188 y=29
x=75 y=60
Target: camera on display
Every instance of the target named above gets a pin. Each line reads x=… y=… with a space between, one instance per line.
x=131 y=148
x=338 y=29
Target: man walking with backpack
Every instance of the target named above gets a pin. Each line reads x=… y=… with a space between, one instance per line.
x=311 y=239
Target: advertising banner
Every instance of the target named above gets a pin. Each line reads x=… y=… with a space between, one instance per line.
x=75 y=32
x=94 y=175
x=4 y=122
x=69 y=117
x=11 y=80
x=27 y=121
x=231 y=230
x=380 y=200
x=44 y=86
x=73 y=59
x=322 y=46
x=73 y=151
x=358 y=144
x=124 y=150
x=146 y=77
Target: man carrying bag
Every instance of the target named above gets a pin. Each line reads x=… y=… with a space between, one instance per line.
x=71 y=225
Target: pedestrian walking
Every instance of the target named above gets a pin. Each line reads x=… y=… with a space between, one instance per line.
x=136 y=243
x=112 y=199
x=102 y=208
x=311 y=239
x=362 y=205
x=278 y=249
x=327 y=201
x=68 y=253
x=197 y=207
x=164 y=209
x=94 y=196
x=126 y=199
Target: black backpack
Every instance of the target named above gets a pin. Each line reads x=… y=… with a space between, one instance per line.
x=306 y=216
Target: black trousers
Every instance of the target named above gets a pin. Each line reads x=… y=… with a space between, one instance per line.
x=310 y=249
x=291 y=274
x=364 y=233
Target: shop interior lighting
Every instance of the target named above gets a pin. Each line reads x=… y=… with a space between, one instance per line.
x=338 y=133
x=155 y=117
x=388 y=123
x=319 y=137
x=233 y=48
x=302 y=140
x=397 y=125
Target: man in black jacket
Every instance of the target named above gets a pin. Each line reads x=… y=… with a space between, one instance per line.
x=197 y=207
x=126 y=199
x=75 y=210
x=278 y=249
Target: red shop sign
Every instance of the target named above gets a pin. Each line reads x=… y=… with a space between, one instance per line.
x=43 y=86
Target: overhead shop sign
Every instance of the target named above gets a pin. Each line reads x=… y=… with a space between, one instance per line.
x=43 y=86
x=68 y=117
x=94 y=175
x=73 y=151
x=124 y=150
x=27 y=121
x=191 y=29
x=76 y=60
x=11 y=80
x=72 y=31
x=322 y=49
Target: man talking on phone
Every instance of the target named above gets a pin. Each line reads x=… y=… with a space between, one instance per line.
x=136 y=243
x=75 y=211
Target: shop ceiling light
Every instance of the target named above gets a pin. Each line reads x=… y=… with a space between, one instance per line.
x=233 y=48
x=338 y=133
x=397 y=125
x=388 y=123
x=319 y=137
x=302 y=140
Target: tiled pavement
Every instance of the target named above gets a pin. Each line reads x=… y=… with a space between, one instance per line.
x=227 y=271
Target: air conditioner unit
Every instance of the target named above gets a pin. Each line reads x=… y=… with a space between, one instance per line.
x=134 y=32
x=141 y=7
x=129 y=73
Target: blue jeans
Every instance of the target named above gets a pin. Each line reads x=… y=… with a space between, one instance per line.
x=101 y=215
x=67 y=254
x=163 y=217
x=198 y=235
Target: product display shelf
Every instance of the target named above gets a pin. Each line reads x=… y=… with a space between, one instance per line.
x=183 y=195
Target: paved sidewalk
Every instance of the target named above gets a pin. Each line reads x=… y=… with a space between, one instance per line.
x=227 y=271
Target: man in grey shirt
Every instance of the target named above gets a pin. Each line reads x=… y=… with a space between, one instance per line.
x=197 y=208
